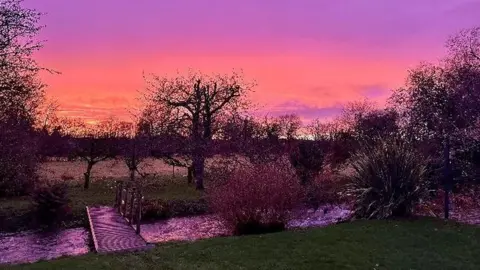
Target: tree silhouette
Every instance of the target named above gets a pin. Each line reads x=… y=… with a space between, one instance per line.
x=195 y=103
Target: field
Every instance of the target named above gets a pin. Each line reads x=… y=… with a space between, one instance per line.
x=56 y=170
x=420 y=244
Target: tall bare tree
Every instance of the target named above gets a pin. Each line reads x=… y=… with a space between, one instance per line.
x=20 y=93
x=194 y=103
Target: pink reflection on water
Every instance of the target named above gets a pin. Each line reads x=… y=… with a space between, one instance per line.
x=321 y=217
x=208 y=226
x=28 y=247
x=184 y=229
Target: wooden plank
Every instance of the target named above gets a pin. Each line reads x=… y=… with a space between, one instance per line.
x=111 y=232
x=92 y=230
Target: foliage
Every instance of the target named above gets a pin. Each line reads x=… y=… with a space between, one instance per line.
x=163 y=209
x=51 y=204
x=18 y=160
x=387 y=180
x=256 y=198
x=308 y=160
x=376 y=124
x=20 y=90
x=325 y=189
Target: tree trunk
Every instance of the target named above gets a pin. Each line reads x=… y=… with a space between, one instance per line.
x=189 y=174
x=87 y=174
x=447 y=176
x=198 y=170
x=132 y=174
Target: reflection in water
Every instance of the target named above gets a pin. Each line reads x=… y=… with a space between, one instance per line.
x=321 y=217
x=194 y=228
x=183 y=229
x=34 y=246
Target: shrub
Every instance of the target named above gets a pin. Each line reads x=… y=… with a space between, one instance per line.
x=387 y=180
x=18 y=160
x=51 y=204
x=307 y=159
x=162 y=209
x=256 y=198
x=325 y=190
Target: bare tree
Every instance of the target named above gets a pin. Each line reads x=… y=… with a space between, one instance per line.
x=352 y=111
x=47 y=115
x=290 y=125
x=324 y=130
x=195 y=102
x=464 y=46
x=20 y=93
x=96 y=144
x=134 y=147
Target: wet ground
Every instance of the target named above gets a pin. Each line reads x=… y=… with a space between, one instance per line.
x=34 y=246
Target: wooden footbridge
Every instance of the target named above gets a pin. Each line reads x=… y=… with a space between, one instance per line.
x=117 y=228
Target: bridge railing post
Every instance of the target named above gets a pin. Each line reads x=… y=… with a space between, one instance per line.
x=125 y=201
x=132 y=199
x=139 y=210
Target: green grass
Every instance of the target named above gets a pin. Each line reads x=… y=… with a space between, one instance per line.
x=16 y=214
x=422 y=244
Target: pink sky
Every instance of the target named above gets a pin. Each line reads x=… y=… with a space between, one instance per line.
x=308 y=57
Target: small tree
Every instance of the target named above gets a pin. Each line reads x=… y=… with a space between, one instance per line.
x=96 y=144
x=134 y=147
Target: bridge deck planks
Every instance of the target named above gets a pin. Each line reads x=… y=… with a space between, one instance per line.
x=111 y=232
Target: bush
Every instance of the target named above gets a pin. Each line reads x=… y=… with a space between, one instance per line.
x=307 y=159
x=162 y=209
x=18 y=161
x=256 y=198
x=326 y=189
x=51 y=204
x=387 y=180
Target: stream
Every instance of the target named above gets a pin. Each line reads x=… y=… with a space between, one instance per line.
x=30 y=246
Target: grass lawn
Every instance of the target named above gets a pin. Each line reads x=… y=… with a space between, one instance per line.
x=15 y=213
x=421 y=244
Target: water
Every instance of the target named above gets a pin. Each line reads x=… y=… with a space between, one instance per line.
x=208 y=226
x=27 y=247
x=183 y=229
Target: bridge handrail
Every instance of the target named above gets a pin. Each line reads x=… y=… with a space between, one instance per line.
x=130 y=210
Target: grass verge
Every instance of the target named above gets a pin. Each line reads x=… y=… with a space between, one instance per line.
x=16 y=213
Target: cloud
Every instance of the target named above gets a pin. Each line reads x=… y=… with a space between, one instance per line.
x=305 y=111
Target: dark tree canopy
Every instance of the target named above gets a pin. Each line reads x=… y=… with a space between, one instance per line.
x=20 y=89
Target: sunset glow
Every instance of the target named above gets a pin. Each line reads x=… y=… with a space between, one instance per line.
x=308 y=57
